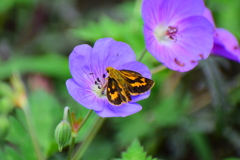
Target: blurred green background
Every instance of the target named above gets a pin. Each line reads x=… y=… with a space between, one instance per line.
x=189 y=116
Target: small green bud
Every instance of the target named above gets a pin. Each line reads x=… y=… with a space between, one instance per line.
x=63 y=134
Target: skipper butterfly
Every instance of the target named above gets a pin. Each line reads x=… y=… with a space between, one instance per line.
x=124 y=83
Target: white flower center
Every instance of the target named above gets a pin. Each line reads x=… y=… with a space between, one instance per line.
x=99 y=92
x=165 y=34
x=99 y=88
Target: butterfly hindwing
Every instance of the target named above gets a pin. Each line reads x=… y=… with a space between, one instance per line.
x=137 y=84
x=117 y=94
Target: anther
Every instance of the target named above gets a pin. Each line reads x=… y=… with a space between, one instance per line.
x=99 y=87
x=104 y=75
x=171 y=32
x=98 y=80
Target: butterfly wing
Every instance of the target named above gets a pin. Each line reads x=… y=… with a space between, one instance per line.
x=137 y=84
x=117 y=95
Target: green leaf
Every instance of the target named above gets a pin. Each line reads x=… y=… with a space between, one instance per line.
x=20 y=139
x=135 y=152
x=6 y=5
x=129 y=30
x=46 y=114
x=201 y=146
x=9 y=153
x=47 y=64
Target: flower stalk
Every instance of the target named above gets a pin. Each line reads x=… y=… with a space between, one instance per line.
x=92 y=133
x=142 y=55
x=75 y=130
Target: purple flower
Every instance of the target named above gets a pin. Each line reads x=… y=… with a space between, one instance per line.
x=88 y=69
x=176 y=33
x=225 y=44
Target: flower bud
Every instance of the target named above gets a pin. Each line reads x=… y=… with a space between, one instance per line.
x=63 y=134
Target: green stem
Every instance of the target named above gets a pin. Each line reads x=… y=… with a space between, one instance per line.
x=32 y=133
x=158 y=69
x=85 y=119
x=71 y=148
x=67 y=112
x=93 y=131
x=142 y=55
x=74 y=134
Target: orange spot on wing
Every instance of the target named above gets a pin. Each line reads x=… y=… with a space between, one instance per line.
x=142 y=79
x=114 y=95
x=137 y=84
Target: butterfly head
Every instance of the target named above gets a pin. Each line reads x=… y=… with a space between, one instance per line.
x=110 y=71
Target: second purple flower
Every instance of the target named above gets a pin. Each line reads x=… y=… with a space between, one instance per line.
x=176 y=33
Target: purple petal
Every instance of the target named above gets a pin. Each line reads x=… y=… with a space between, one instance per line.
x=80 y=65
x=119 y=111
x=226 y=45
x=138 y=67
x=197 y=36
x=194 y=42
x=84 y=95
x=155 y=12
x=108 y=52
x=207 y=14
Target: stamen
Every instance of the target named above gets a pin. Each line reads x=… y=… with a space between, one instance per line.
x=104 y=75
x=98 y=80
x=171 y=33
x=99 y=87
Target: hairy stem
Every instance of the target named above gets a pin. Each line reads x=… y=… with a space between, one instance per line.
x=158 y=69
x=86 y=142
x=71 y=148
x=74 y=134
x=142 y=55
x=85 y=119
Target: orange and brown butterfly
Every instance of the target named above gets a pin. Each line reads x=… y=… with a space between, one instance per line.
x=124 y=83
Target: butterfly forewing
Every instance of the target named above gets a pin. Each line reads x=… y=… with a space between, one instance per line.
x=117 y=95
x=137 y=84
